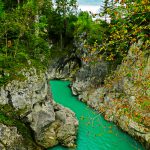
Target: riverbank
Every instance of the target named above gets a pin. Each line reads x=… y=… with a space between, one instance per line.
x=122 y=96
x=117 y=95
x=94 y=132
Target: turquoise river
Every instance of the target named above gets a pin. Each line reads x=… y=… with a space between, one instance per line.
x=94 y=132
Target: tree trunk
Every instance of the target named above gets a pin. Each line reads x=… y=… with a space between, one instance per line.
x=61 y=41
x=37 y=22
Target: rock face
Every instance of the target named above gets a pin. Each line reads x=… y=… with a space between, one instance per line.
x=11 y=139
x=89 y=75
x=123 y=97
x=58 y=131
x=28 y=113
x=64 y=68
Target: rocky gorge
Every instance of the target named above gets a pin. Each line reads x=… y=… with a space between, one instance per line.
x=105 y=64
x=29 y=116
x=121 y=96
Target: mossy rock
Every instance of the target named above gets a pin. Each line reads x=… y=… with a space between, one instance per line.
x=11 y=118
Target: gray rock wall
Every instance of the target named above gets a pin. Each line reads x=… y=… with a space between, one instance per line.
x=11 y=139
x=30 y=103
x=89 y=76
x=118 y=99
x=64 y=68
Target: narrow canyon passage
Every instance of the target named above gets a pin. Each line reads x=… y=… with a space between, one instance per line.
x=94 y=132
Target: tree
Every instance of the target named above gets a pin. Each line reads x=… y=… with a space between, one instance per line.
x=21 y=37
x=65 y=8
x=1 y=8
x=105 y=8
x=129 y=23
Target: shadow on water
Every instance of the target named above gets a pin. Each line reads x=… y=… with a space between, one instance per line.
x=94 y=132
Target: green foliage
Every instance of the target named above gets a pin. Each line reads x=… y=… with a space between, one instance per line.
x=23 y=37
x=28 y=30
x=129 y=23
x=10 y=117
x=91 y=35
x=112 y=41
x=84 y=23
x=106 y=6
x=66 y=7
x=64 y=13
x=1 y=8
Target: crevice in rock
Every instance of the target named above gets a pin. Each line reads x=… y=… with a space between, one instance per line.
x=32 y=133
x=41 y=89
x=9 y=99
x=3 y=144
x=24 y=116
x=62 y=62
x=40 y=103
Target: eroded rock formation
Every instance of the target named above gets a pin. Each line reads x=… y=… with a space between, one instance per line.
x=30 y=117
x=123 y=97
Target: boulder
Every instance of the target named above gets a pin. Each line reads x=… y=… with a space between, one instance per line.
x=10 y=139
x=30 y=102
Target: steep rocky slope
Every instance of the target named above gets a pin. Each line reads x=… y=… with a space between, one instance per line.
x=124 y=96
x=30 y=119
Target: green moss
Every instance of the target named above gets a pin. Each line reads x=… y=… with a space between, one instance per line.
x=9 y=111
x=10 y=117
x=14 y=72
x=137 y=118
x=145 y=105
x=5 y=120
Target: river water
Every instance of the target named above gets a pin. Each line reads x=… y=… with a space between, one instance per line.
x=94 y=132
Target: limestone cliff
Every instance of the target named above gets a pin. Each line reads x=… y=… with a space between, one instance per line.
x=124 y=96
x=64 y=68
x=30 y=119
